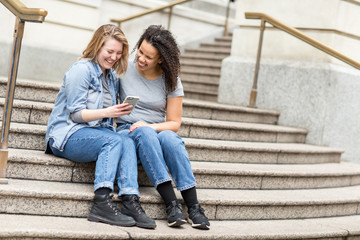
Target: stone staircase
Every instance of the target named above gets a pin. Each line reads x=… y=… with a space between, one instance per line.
x=256 y=179
x=201 y=68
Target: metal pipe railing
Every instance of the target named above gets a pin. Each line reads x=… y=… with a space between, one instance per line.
x=22 y=14
x=152 y=10
x=170 y=6
x=227 y=17
x=253 y=93
x=296 y=33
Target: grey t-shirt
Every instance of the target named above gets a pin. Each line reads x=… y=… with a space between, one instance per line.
x=151 y=108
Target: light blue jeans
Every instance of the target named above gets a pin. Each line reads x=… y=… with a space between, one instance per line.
x=115 y=156
x=160 y=152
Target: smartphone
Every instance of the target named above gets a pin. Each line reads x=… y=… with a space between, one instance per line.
x=131 y=100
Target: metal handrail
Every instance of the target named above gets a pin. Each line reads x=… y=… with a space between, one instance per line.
x=296 y=33
x=152 y=10
x=22 y=14
x=170 y=5
x=353 y=2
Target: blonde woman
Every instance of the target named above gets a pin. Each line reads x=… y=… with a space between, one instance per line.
x=80 y=128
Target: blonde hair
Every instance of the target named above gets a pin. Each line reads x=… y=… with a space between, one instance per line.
x=98 y=40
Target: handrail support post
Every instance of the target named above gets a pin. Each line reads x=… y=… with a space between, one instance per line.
x=253 y=93
x=170 y=15
x=226 y=18
x=9 y=98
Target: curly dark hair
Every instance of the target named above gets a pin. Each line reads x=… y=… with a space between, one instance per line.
x=165 y=43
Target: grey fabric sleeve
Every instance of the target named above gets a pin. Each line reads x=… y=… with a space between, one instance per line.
x=76 y=117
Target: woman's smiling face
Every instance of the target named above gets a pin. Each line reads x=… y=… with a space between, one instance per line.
x=109 y=54
x=147 y=57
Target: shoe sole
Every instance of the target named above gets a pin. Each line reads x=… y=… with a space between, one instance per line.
x=139 y=224
x=202 y=226
x=148 y=226
x=177 y=223
x=103 y=220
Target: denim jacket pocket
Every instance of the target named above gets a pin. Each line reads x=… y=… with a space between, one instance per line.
x=94 y=97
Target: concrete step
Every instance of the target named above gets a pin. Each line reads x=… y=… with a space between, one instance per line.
x=199 y=87
x=201 y=95
x=200 y=71
x=221 y=44
x=200 y=83
x=200 y=63
x=31 y=164
x=208 y=52
x=259 y=152
x=31 y=136
x=201 y=150
x=39 y=112
x=216 y=111
x=199 y=78
x=260 y=176
x=15 y=226
x=237 y=131
x=25 y=111
x=74 y=200
x=223 y=39
x=201 y=57
x=31 y=90
x=210 y=49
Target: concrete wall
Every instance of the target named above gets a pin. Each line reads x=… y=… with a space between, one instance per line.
x=311 y=89
x=49 y=48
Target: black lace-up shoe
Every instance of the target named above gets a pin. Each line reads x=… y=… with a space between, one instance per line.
x=197 y=217
x=175 y=215
x=105 y=210
x=131 y=207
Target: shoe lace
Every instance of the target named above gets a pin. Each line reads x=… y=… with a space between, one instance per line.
x=112 y=205
x=171 y=209
x=134 y=200
x=198 y=211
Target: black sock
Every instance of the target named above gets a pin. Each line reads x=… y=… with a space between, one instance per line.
x=166 y=191
x=189 y=196
x=103 y=191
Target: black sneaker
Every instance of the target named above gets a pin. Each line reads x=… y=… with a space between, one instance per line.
x=105 y=210
x=175 y=215
x=131 y=207
x=198 y=218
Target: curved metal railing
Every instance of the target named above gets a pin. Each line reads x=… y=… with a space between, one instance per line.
x=170 y=6
x=152 y=10
x=296 y=33
x=22 y=14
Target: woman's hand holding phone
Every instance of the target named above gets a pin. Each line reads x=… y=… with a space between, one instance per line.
x=119 y=110
x=131 y=100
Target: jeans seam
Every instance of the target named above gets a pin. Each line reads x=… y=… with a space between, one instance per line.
x=146 y=158
x=107 y=157
x=107 y=152
x=121 y=177
x=156 y=180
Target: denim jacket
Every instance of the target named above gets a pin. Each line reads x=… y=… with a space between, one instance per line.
x=81 y=89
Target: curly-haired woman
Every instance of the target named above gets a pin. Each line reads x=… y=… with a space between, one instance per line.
x=153 y=123
x=80 y=127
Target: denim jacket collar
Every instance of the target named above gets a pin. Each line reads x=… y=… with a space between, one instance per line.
x=99 y=72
